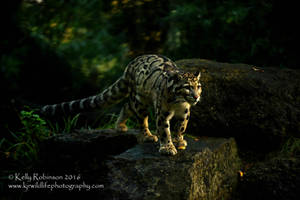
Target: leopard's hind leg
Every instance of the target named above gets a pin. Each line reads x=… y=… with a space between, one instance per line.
x=125 y=113
x=141 y=113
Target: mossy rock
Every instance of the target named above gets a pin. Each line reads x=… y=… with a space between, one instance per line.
x=260 y=107
x=277 y=178
x=207 y=169
x=130 y=169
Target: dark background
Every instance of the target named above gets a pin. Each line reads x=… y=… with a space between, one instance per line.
x=54 y=51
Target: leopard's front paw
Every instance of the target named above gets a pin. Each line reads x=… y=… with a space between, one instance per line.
x=180 y=143
x=167 y=149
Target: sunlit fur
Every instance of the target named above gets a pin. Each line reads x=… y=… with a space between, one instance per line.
x=148 y=81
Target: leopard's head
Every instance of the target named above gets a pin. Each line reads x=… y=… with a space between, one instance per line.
x=186 y=85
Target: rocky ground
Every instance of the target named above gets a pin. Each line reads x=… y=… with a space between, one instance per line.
x=275 y=178
x=210 y=168
x=207 y=169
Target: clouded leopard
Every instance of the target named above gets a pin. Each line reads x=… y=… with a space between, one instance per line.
x=148 y=80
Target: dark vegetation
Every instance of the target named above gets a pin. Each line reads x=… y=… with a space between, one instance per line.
x=53 y=51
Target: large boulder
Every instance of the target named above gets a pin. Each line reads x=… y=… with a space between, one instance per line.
x=207 y=169
x=130 y=169
x=277 y=178
x=257 y=106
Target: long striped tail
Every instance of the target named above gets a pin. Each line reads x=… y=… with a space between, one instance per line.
x=112 y=95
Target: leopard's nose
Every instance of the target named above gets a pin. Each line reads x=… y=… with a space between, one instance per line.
x=196 y=96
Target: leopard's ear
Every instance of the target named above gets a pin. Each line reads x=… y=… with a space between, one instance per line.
x=197 y=74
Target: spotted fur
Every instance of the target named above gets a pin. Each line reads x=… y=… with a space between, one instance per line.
x=148 y=80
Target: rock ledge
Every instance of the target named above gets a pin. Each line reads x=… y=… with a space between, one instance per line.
x=207 y=169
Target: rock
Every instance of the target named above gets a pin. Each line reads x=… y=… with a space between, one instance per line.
x=63 y=150
x=257 y=106
x=207 y=169
x=129 y=169
x=277 y=178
